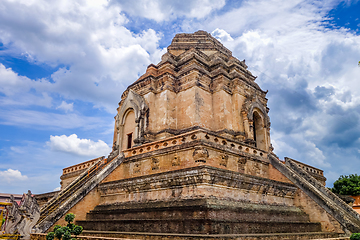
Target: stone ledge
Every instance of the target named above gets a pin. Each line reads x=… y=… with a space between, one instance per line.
x=339 y=238
x=208 y=203
x=166 y=236
x=169 y=236
x=42 y=236
x=200 y=175
x=203 y=136
x=234 y=214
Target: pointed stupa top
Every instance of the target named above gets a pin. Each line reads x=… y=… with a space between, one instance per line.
x=199 y=40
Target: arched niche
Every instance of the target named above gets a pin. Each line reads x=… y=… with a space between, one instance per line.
x=259 y=130
x=130 y=122
x=258 y=124
x=128 y=129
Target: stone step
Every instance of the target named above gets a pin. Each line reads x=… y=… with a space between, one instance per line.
x=198 y=226
x=199 y=209
x=339 y=238
x=42 y=236
x=171 y=236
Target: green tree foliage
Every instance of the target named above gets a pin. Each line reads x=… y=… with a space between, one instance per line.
x=77 y=230
x=70 y=217
x=59 y=232
x=50 y=236
x=56 y=227
x=64 y=233
x=355 y=236
x=347 y=185
x=66 y=236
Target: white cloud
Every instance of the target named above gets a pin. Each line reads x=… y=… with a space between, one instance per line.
x=16 y=89
x=46 y=120
x=164 y=10
x=11 y=176
x=67 y=107
x=10 y=81
x=272 y=16
x=222 y=35
x=74 y=145
x=101 y=56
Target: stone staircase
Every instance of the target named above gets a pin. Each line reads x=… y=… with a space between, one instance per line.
x=60 y=204
x=343 y=213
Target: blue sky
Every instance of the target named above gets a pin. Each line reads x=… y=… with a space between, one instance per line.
x=64 y=65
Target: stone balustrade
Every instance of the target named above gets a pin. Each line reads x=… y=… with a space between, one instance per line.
x=80 y=166
x=197 y=135
x=309 y=169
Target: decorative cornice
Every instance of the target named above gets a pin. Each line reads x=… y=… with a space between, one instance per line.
x=190 y=139
x=197 y=176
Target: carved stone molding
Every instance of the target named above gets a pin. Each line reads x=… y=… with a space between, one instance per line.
x=155 y=164
x=241 y=164
x=197 y=176
x=137 y=167
x=175 y=161
x=256 y=169
x=200 y=154
x=224 y=160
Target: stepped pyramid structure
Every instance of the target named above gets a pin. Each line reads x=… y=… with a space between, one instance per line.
x=192 y=159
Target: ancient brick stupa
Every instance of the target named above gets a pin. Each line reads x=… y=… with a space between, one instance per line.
x=192 y=158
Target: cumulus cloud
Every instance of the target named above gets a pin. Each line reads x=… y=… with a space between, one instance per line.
x=16 y=89
x=11 y=176
x=96 y=57
x=74 y=145
x=222 y=35
x=67 y=107
x=10 y=81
